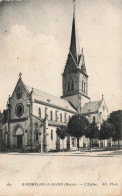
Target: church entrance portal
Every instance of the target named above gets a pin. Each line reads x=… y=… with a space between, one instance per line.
x=19 y=135
x=19 y=141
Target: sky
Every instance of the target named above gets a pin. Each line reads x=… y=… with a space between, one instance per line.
x=35 y=38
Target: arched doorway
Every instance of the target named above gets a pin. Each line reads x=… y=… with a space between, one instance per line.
x=19 y=134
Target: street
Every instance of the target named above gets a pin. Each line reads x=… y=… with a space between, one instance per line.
x=61 y=173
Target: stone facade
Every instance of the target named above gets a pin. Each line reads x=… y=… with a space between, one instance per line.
x=31 y=123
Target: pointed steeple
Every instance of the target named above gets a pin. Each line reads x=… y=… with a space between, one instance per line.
x=74 y=77
x=74 y=44
x=75 y=60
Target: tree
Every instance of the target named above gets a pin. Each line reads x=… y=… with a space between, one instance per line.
x=0 y=114
x=106 y=130
x=4 y=117
x=0 y=117
x=61 y=132
x=77 y=126
x=115 y=119
x=92 y=132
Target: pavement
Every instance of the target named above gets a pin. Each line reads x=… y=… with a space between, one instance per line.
x=61 y=173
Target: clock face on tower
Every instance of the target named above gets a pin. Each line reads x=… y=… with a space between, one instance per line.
x=19 y=110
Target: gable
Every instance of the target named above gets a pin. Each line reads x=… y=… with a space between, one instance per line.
x=19 y=101
x=70 y=66
x=91 y=107
x=20 y=91
x=103 y=107
x=95 y=107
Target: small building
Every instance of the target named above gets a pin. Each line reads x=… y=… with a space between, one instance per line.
x=96 y=111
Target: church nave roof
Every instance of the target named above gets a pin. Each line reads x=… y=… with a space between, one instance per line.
x=50 y=100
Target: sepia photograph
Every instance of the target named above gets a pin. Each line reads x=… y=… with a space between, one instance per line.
x=61 y=97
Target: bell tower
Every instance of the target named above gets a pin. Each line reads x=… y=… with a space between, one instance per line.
x=74 y=77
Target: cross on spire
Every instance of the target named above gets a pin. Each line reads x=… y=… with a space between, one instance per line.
x=20 y=74
x=74 y=7
x=74 y=43
x=74 y=2
x=82 y=50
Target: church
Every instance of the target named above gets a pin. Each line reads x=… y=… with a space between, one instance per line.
x=33 y=116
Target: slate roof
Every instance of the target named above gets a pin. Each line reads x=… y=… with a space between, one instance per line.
x=50 y=100
x=91 y=107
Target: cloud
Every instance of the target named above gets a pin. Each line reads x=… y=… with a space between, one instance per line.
x=22 y=44
x=33 y=55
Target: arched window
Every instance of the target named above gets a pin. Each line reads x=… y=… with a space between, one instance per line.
x=36 y=136
x=68 y=85
x=84 y=86
x=36 y=125
x=56 y=115
x=5 y=135
x=51 y=115
x=39 y=112
x=46 y=113
x=51 y=134
x=69 y=117
x=19 y=93
x=94 y=119
x=60 y=117
x=36 y=132
x=65 y=117
x=72 y=84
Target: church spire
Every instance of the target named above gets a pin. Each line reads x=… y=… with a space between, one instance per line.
x=75 y=60
x=74 y=43
x=74 y=77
